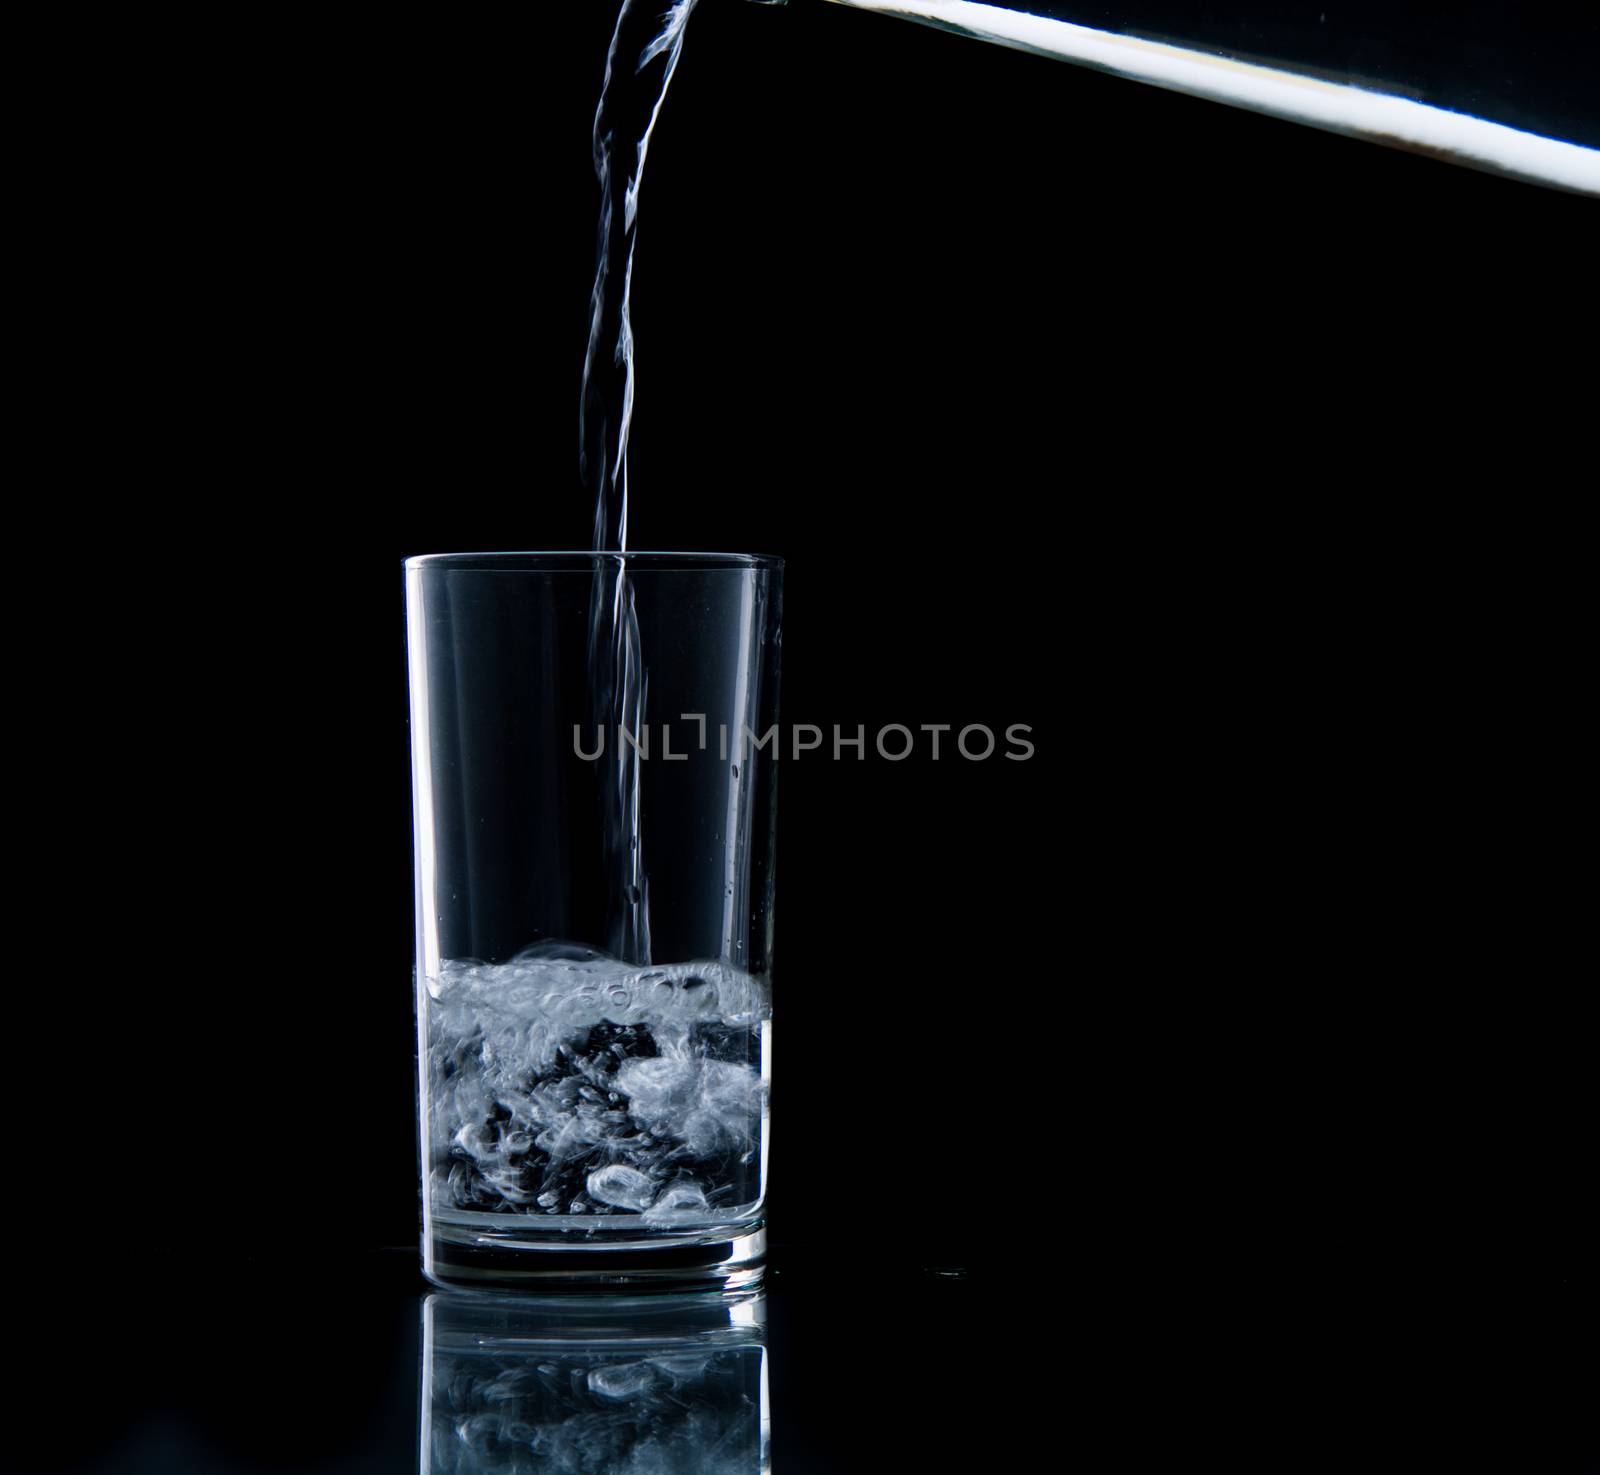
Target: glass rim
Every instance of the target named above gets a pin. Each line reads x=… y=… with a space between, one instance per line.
x=586 y=560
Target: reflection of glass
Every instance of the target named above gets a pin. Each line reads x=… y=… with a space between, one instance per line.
x=664 y=1385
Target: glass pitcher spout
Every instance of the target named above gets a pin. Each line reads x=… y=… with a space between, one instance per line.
x=1503 y=86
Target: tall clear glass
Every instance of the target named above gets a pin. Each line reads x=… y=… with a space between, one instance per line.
x=594 y=760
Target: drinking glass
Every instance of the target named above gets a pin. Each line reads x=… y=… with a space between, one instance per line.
x=594 y=759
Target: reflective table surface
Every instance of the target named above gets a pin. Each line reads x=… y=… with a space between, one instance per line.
x=835 y=1368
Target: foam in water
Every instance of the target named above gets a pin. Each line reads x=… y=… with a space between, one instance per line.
x=565 y=1082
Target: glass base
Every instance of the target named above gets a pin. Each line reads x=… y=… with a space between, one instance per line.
x=730 y=1258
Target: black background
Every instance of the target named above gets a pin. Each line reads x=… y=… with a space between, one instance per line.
x=1232 y=457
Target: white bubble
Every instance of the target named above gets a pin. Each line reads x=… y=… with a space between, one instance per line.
x=622 y=1188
